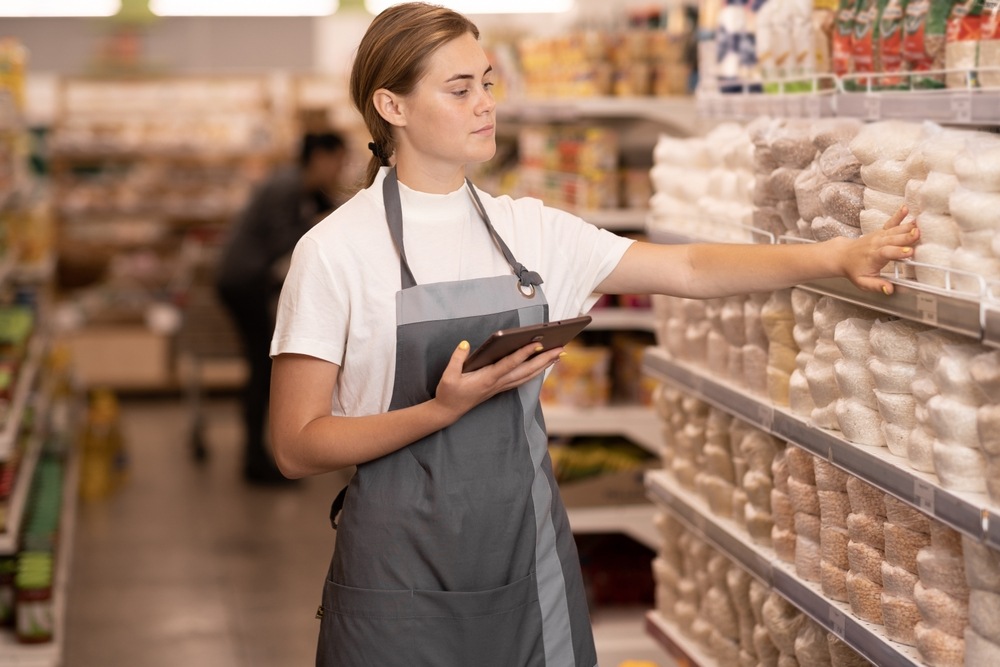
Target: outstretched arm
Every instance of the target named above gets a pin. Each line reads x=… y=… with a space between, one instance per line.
x=702 y=271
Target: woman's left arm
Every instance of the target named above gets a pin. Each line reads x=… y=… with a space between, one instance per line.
x=702 y=271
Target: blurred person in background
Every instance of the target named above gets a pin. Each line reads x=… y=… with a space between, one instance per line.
x=251 y=270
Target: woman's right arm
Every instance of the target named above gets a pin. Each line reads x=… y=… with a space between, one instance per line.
x=308 y=440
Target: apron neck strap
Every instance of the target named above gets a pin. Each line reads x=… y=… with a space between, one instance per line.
x=394 y=218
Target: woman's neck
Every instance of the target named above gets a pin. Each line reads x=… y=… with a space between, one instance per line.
x=437 y=180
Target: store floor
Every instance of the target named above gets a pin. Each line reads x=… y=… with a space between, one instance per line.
x=188 y=566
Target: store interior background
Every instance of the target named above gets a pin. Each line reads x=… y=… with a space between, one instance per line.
x=182 y=562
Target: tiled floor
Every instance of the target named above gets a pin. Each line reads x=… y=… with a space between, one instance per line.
x=187 y=566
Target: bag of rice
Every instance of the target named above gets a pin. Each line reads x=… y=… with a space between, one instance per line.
x=982 y=565
x=872 y=220
x=883 y=201
x=892 y=377
x=864 y=45
x=924 y=40
x=839 y=164
x=938 y=229
x=978 y=166
x=900 y=616
x=826 y=132
x=938 y=648
x=940 y=610
x=888 y=176
x=886 y=140
x=959 y=468
x=824 y=229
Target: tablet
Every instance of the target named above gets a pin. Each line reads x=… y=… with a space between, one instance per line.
x=504 y=342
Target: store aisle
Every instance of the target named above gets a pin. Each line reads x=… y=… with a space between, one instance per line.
x=187 y=565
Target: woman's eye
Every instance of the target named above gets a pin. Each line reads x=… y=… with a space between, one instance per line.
x=461 y=93
x=488 y=85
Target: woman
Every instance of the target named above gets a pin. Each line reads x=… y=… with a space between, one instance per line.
x=453 y=547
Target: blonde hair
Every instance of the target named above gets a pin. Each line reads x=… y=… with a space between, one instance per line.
x=393 y=55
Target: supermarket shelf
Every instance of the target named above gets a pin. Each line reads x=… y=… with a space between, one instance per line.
x=679 y=112
x=968 y=513
x=14 y=654
x=976 y=316
x=19 y=498
x=685 y=651
x=25 y=382
x=622 y=319
x=620 y=636
x=745 y=106
x=617 y=220
x=836 y=617
x=636 y=521
x=636 y=422
x=946 y=106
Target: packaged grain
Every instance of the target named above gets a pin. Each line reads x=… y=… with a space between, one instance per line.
x=800 y=465
x=782 y=510
x=939 y=229
x=900 y=616
x=980 y=651
x=807 y=525
x=804 y=496
x=977 y=170
x=886 y=175
x=855 y=381
x=843 y=202
x=860 y=423
x=824 y=228
x=903 y=545
x=939 y=649
x=829 y=477
x=865 y=560
x=834 y=508
x=811 y=647
x=779 y=469
x=783 y=542
x=842 y=655
x=983 y=610
x=989 y=47
x=872 y=220
x=940 y=610
x=920 y=450
x=897 y=408
x=767 y=653
x=865 y=498
x=884 y=202
x=864 y=45
x=833 y=580
x=903 y=515
x=866 y=529
x=807 y=558
x=958 y=467
x=865 y=598
x=833 y=546
x=943 y=570
x=826 y=132
x=783 y=621
x=886 y=140
x=892 y=377
x=898 y=581
x=897 y=439
x=838 y=164
x=954 y=421
x=982 y=565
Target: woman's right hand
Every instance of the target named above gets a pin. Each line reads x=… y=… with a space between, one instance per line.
x=459 y=392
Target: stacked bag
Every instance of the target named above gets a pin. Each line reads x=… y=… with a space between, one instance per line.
x=755 y=350
x=985 y=370
x=834 y=508
x=716 y=476
x=865 y=550
x=942 y=596
x=982 y=573
x=958 y=459
x=778 y=320
x=802 y=492
x=783 y=147
x=907 y=531
x=857 y=408
x=974 y=205
x=782 y=509
x=758 y=449
x=893 y=366
x=804 y=332
x=819 y=370
x=668 y=566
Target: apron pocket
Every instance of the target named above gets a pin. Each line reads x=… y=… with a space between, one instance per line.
x=500 y=627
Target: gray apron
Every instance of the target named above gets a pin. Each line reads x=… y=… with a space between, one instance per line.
x=455 y=551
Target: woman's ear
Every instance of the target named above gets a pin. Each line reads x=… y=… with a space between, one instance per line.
x=387 y=104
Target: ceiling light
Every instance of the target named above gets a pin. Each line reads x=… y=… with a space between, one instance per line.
x=243 y=7
x=488 y=6
x=52 y=8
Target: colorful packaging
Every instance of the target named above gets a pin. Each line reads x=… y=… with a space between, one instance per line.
x=823 y=18
x=924 y=30
x=890 y=33
x=843 y=37
x=803 y=45
x=866 y=41
x=962 y=43
x=989 y=46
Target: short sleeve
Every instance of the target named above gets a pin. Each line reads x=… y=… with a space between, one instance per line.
x=314 y=307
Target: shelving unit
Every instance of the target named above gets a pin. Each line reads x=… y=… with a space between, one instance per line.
x=945 y=106
x=636 y=521
x=637 y=422
x=969 y=513
x=679 y=113
x=685 y=652
x=26 y=378
x=836 y=617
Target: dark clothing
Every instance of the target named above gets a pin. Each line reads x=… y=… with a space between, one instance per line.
x=280 y=211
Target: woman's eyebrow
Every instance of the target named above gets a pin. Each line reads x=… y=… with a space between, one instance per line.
x=459 y=77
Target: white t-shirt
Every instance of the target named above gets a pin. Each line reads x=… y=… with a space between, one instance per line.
x=338 y=302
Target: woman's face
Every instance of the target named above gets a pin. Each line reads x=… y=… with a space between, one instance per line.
x=450 y=120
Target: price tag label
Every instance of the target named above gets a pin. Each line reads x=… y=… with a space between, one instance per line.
x=923 y=493
x=873 y=107
x=961 y=108
x=837 y=622
x=927 y=308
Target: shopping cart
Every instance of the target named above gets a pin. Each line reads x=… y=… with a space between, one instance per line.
x=208 y=346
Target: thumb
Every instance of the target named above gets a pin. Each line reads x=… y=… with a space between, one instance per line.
x=873 y=284
x=460 y=354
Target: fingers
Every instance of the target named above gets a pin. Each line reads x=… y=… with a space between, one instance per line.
x=459 y=356
x=897 y=217
x=873 y=284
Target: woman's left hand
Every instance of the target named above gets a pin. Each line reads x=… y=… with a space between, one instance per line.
x=863 y=259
